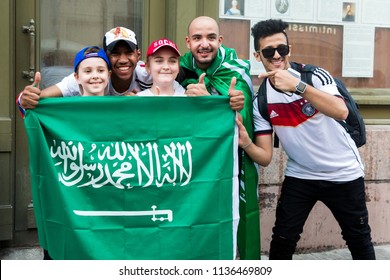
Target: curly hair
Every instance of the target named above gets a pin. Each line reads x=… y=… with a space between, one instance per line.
x=267 y=28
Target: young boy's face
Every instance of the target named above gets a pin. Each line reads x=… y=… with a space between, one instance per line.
x=163 y=65
x=123 y=61
x=93 y=76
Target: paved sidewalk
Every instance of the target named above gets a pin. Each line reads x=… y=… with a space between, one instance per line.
x=35 y=253
x=382 y=252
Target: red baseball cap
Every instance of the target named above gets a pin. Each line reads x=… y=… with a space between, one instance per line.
x=156 y=45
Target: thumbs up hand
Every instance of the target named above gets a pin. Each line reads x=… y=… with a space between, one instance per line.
x=243 y=138
x=201 y=78
x=198 y=89
x=237 y=97
x=37 y=80
x=31 y=94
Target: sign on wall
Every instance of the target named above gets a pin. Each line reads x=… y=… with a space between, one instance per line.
x=353 y=15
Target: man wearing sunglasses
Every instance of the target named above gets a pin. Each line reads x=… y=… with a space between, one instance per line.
x=323 y=161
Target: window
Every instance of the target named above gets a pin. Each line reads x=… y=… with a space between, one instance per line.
x=66 y=26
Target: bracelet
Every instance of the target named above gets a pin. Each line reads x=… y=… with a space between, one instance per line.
x=21 y=109
x=247 y=145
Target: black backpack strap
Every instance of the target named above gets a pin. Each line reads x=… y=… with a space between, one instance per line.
x=262 y=100
x=354 y=124
x=306 y=71
x=263 y=107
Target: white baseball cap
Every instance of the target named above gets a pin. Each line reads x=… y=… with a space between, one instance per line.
x=117 y=34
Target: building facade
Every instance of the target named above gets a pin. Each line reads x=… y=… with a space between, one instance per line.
x=44 y=35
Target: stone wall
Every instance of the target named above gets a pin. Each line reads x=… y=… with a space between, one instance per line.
x=321 y=230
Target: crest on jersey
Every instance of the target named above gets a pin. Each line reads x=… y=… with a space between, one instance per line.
x=308 y=109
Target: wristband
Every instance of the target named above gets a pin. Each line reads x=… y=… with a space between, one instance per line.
x=247 y=145
x=21 y=109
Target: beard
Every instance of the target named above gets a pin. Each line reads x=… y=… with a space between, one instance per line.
x=204 y=62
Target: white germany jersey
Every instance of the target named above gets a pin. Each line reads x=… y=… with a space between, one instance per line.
x=317 y=146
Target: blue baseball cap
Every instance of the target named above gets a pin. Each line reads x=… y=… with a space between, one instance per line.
x=85 y=53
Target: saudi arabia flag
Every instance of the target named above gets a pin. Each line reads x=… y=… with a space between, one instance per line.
x=135 y=177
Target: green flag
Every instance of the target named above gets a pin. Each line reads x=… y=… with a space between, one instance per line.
x=219 y=74
x=135 y=177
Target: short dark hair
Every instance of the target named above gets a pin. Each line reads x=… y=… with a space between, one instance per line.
x=267 y=28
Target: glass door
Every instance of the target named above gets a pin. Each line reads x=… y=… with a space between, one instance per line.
x=53 y=31
x=68 y=26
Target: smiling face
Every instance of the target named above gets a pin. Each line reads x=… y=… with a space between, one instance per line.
x=203 y=40
x=277 y=61
x=93 y=76
x=123 y=61
x=163 y=65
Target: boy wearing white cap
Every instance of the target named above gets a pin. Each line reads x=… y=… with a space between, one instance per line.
x=128 y=74
x=162 y=63
x=122 y=49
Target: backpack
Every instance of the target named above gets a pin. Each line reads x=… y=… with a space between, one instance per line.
x=354 y=123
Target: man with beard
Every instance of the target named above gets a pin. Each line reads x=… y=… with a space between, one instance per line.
x=212 y=68
x=207 y=76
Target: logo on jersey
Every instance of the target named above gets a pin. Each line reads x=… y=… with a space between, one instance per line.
x=273 y=114
x=308 y=109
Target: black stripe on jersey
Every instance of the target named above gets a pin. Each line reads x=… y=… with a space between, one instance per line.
x=264 y=132
x=143 y=85
x=324 y=76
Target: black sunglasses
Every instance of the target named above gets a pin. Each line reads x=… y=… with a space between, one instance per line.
x=283 y=50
